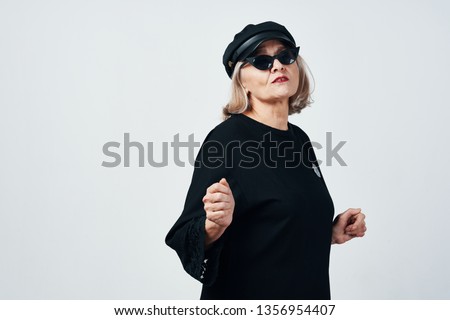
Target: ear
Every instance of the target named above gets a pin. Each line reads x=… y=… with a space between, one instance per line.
x=244 y=85
x=245 y=88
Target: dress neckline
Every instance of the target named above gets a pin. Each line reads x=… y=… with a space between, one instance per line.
x=264 y=127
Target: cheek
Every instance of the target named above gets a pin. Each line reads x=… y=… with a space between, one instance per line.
x=246 y=75
x=295 y=84
x=295 y=77
x=253 y=80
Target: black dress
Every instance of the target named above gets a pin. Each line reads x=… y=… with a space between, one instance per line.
x=278 y=244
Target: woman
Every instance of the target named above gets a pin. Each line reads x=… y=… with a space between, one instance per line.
x=258 y=219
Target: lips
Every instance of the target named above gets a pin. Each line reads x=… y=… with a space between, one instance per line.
x=280 y=79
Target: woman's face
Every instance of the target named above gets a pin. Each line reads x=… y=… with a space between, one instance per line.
x=276 y=84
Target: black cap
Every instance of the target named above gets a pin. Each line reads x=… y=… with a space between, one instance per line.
x=246 y=41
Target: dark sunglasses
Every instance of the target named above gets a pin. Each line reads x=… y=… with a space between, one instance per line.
x=264 y=62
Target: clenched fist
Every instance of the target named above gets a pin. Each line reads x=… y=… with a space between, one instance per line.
x=348 y=225
x=219 y=207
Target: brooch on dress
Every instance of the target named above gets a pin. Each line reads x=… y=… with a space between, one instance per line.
x=316 y=170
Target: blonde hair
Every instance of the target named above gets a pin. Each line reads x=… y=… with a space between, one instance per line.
x=239 y=101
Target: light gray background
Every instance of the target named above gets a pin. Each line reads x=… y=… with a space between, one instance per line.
x=77 y=74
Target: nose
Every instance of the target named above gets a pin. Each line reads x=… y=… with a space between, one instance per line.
x=277 y=65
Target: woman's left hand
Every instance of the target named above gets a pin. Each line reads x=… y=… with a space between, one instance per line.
x=348 y=225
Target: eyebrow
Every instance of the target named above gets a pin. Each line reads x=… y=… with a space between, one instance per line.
x=261 y=50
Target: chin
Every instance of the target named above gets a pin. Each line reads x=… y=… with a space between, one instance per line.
x=284 y=95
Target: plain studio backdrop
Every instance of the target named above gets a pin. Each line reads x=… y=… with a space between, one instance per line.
x=75 y=75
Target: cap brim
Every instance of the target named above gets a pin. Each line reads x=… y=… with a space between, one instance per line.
x=254 y=42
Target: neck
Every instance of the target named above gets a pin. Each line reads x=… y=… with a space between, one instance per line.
x=273 y=115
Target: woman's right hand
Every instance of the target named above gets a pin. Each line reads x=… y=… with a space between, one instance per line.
x=219 y=207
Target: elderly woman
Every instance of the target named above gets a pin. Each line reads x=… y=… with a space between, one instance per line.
x=258 y=219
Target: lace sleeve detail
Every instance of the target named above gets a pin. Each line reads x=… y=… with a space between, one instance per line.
x=203 y=264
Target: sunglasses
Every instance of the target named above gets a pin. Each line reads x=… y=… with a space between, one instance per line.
x=264 y=62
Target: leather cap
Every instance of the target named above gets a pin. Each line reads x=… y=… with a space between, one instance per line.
x=246 y=41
